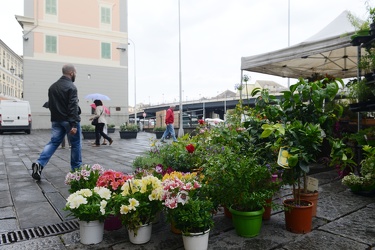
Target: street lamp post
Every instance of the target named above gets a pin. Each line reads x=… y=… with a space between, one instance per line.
x=181 y=127
x=135 y=86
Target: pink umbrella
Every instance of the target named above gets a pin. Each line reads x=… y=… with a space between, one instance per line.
x=106 y=110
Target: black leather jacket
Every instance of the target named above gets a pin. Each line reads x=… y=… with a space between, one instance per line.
x=63 y=102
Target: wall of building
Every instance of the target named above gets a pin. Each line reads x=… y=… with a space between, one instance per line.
x=11 y=73
x=79 y=39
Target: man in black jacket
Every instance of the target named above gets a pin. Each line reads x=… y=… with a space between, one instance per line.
x=65 y=119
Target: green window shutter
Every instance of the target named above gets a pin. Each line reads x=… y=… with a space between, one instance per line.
x=106 y=50
x=51 y=7
x=51 y=44
x=105 y=15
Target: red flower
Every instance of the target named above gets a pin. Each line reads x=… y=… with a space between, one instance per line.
x=201 y=121
x=112 y=179
x=190 y=148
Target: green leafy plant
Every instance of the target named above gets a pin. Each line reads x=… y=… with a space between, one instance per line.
x=87 y=128
x=237 y=180
x=128 y=127
x=186 y=208
x=139 y=201
x=159 y=129
x=84 y=177
x=306 y=121
x=111 y=125
x=366 y=180
x=89 y=204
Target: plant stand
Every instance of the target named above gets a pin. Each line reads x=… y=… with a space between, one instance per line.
x=88 y=135
x=159 y=134
x=128 y=135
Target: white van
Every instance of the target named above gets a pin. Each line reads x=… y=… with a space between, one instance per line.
x=15 y=116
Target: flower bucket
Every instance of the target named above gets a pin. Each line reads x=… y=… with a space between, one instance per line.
x=112 y=223
x=196 y=241
x=143 y=234
x=91 y=232
x=247 y=224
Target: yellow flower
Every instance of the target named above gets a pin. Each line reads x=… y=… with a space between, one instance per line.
x=103 y=192
x=103 y=204
x=124 y=209
x=85 y=192
x=77 y=201
x=133 y=203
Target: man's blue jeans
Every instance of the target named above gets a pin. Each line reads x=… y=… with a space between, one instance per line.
x=58 y=132
x=169 y=130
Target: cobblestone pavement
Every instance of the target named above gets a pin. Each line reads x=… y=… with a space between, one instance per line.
x=31 y=215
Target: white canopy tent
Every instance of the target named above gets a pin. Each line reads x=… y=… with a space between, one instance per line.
x=327 y=52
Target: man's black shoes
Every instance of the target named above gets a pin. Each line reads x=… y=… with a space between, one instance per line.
x=37 y=171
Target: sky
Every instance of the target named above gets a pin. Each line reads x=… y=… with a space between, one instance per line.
x=214 y=35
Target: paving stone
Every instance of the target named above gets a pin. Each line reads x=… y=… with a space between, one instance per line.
x=4 y=186
x=7 y=225
x=50 y=243
x=5 y=199
x=58 y=203
x=7 y=212
x=46 y=186
x=357 y=226
x=340 y=204
x=23 y=191
x=36 y=214
x=318 y=240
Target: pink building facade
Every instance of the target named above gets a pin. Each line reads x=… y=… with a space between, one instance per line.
x=92 y=35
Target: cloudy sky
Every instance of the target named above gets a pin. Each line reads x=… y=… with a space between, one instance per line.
x=215 y=34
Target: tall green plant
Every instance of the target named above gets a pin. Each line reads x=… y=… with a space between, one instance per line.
x=303 y=114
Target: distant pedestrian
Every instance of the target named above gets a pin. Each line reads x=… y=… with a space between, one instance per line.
x=99 y=113
x=169 y=120
x=63 y=105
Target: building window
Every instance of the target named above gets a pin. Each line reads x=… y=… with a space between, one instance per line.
x=105 y=15
x=51 y=44
x=106 y=50
x=51 y=7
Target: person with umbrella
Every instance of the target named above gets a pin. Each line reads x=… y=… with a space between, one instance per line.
x=99 y=114
x=106 y=112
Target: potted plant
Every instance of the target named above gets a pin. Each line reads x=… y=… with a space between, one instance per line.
x=306 y=120
x=364 y=182
x=88 y=131
x=128 y=131
x=111 y=128
x=90 y=207
x=187 y=210
x=138 y=204
x=113 y=180
x=159 y=131
x=241 y=184
x=84 y=177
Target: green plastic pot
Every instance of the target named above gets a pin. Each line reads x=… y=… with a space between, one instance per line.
x=247 y=224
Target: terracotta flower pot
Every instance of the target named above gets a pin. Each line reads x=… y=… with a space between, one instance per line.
x=313 y=197
x=267 y=210
x=298 y=219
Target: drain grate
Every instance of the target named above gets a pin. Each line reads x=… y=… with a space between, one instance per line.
x=37 y=232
